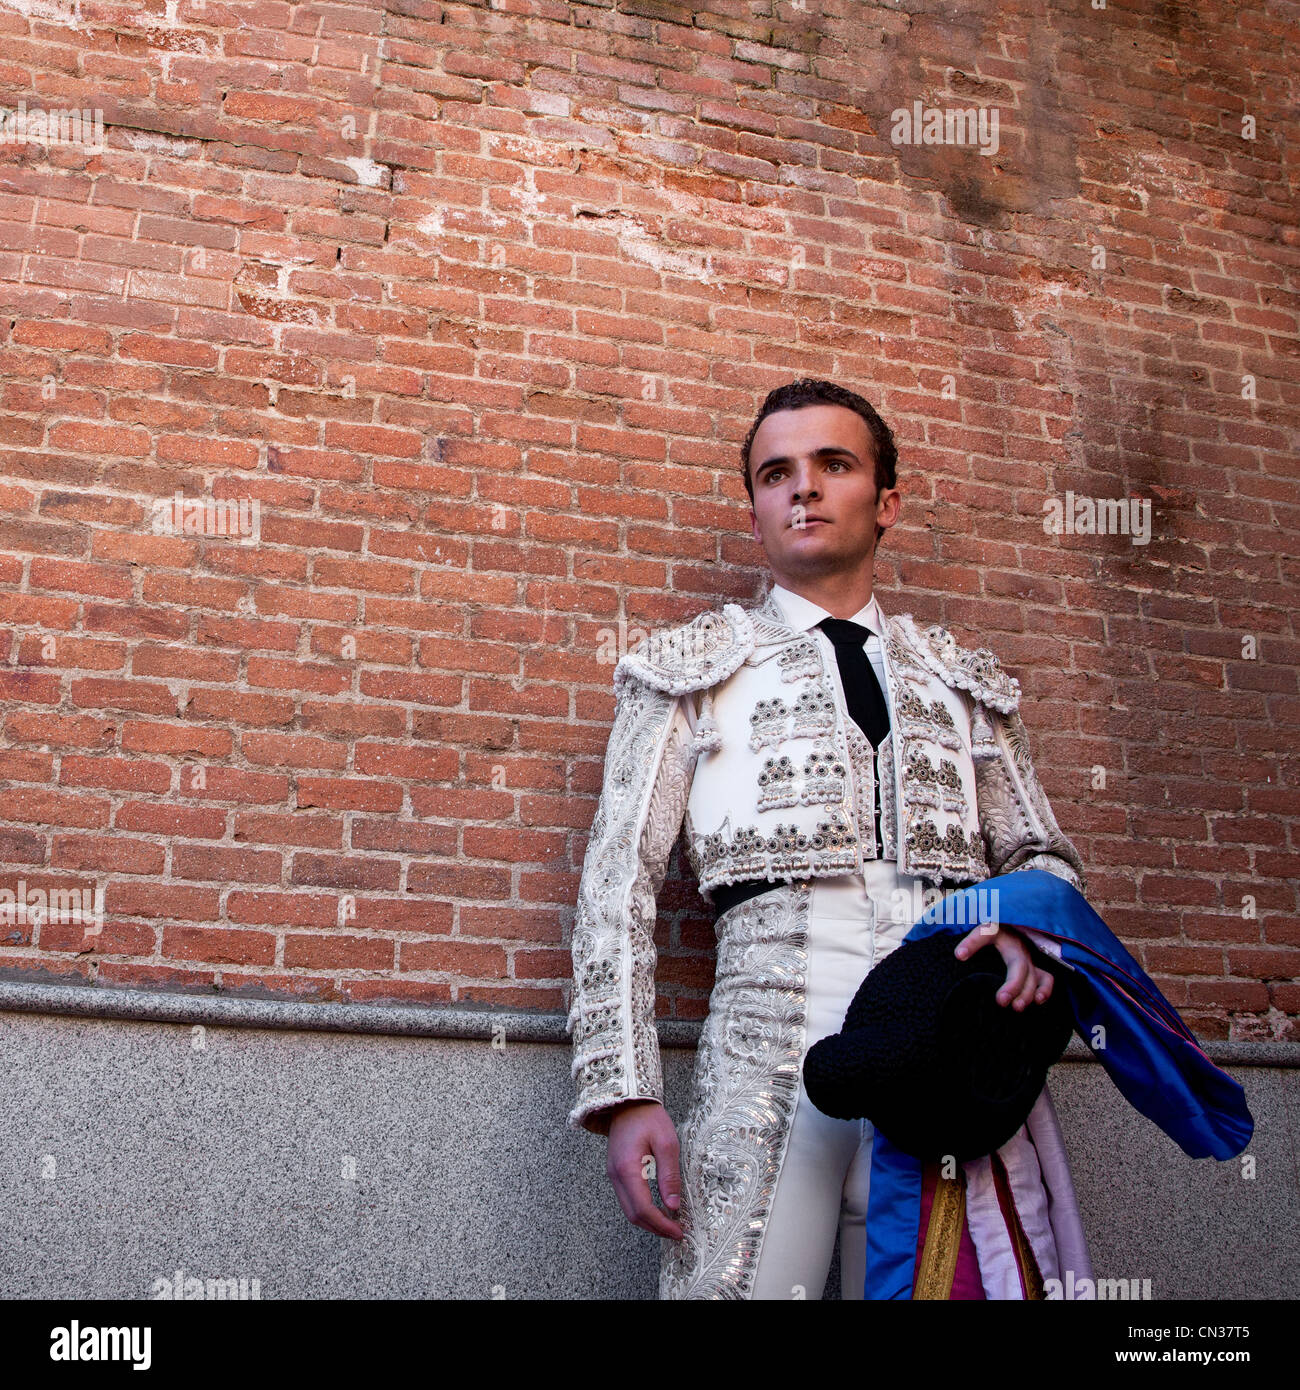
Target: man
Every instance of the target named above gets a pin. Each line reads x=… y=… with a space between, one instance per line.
x=828 y=763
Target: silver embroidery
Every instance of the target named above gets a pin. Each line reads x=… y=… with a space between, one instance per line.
x=924 y=848
x=693 y=656
x=821 y=780
x=983 y=742
x=772 y=721
x=1015 y=816
x=814 y=713
x=769 y=625
x=716 y=855
x=776 y=784
x=888 y=799
x=833 y=842
x=979 y=863
x=768 y=722
x=934 y=721
x=708 y=737
x=723 y=857
x=647 y=777
x=937 y=787
x=824 y=778
x=953 y=856
x=951 y=792
x=1004 y=820
x=744 y=1090
x=919 y=772
x=800 y=661
x=903 y=660
x=1053 y=864
x=978 y=672
x=864 y=786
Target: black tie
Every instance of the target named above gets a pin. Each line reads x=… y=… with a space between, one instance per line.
x=862 y=691
x=865 y=699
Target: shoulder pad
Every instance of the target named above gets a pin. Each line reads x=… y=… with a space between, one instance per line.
x=975 y=670
x=693 y=656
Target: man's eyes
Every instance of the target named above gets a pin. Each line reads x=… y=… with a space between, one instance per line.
x=778 y=472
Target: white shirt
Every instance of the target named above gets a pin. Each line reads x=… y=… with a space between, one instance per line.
x=803 y=615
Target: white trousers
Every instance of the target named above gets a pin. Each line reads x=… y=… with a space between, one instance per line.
x=854 y=922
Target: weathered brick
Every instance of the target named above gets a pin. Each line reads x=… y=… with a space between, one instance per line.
x=488 y=378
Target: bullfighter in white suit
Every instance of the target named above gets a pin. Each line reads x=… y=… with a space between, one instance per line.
x=743 y=729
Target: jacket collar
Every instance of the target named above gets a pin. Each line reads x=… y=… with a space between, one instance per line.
x=774 y=628
x=801 y=614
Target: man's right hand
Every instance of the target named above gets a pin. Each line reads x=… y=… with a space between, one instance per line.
x=640 y=1130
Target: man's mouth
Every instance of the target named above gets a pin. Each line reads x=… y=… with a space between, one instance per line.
x=803 y=523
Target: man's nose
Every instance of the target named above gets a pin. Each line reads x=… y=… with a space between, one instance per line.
x=805 y=483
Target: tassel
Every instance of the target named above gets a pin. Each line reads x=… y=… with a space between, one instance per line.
x=983 y=742
x=708 y=737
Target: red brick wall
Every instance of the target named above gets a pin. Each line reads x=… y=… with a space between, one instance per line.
x=477 y=302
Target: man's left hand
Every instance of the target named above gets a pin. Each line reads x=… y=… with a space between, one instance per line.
x=1026 y=983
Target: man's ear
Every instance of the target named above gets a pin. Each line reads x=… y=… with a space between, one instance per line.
x=892 y=502
x=753 y=525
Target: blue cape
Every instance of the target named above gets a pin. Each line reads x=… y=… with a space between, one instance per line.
x=1131 y=1028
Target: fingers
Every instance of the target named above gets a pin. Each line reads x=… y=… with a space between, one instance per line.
x=1036 y=989
x=1017 y=973
x=668 y=1170
x=633 y=1193
x=668 y=1178
x=631 y=1164
x=1025 y=996
x=1045 y=983
x=974 y=941
x=621 y=1192
x=645 y=1214
x=1025 y=984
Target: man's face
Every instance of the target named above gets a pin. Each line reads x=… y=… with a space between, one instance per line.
x=815 y=504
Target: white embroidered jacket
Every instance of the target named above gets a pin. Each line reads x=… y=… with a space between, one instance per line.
x=735 y=724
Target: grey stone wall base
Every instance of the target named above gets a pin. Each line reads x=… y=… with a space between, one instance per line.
x=399 y=1020
x=331 y=1151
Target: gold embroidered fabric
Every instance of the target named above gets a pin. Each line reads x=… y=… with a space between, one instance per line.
x=938 y=1264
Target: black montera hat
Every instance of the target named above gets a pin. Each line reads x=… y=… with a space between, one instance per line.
x=930 y=1057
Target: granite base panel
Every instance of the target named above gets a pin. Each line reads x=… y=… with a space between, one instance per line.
x=363 y=1165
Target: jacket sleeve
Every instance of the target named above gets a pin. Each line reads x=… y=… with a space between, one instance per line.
x=1016 y=821
x=648 y=766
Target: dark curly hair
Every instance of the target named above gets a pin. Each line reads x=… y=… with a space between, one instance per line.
x=810 y=391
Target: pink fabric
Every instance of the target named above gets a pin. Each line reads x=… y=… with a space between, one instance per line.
x=1008 y=1206
x=966 y=1282
x=1069 y=1248
x=1036 y=1168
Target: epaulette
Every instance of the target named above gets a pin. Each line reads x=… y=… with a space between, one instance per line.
x=692 y=656
x=975 y=670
